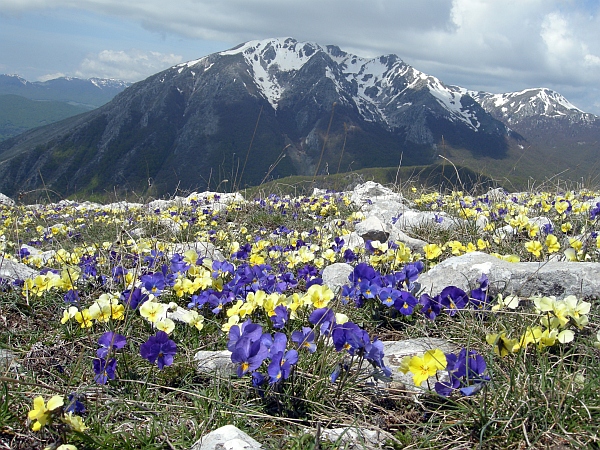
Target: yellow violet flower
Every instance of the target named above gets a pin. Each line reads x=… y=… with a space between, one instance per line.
x=502 y=345
x=424 y=367
x=534 y=247
x=552 y=244
x=320 y=295
x=432 y=251
x=152 y=311
x=41 y=413
x=75 y=422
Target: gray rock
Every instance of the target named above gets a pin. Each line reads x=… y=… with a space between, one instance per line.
x=215 y=361
x=412 y=218
x=227 y=437
x=525 y=279
x=415 y=245
x=215 y=200
x=385 y=210
x=165 y=204
x=204 y=250
x=496 y=195
x=170 y=225
x=43 y=256
x=394 y=351
x=373 y=192
x=13 y=270
x=7 y=360
x=371 y=229
x=353 y=240
x=4 y=200
x=336 y=275
x=355 y=438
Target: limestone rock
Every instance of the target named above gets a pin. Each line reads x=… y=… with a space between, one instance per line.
x=355 y=438
x=227 y=437
x=13 y=270
x=7 y=360
x=415 y=245
x=215 y=361
x=204 y=250
x=4 y=200
x=412 y=218
x=371 y=192
x=353 y=240
x=371 y=229
x=525 y=279
x=394 y=351
x=336 y=275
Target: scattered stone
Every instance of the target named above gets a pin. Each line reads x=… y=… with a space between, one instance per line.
x=387 y=211
x=412 y=219
x=394 y=351
x=214 y=200
x=353 y=240
x=163 y=205
x=39 y=255
x=355 y=438
x=210 y=362
x=13 y=270
x=371 y=229
x=227 y=437
x=371 y=192
x=336 y=275
x=7 y=360
x=4 y=200
x=496 y=195
x=170 y=225
x=415 y=245
x=525 y=278
x=204 y=250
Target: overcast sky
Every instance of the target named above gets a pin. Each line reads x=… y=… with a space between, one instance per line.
x=491 y=45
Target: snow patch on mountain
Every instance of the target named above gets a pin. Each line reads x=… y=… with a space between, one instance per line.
x=513 y=107
x=380 y=88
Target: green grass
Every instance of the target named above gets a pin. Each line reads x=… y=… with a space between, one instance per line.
x=18 y=114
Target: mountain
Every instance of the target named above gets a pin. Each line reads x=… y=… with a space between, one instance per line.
x=25 y=105
x=19 y=114
x=262 y=110
x=90 y=93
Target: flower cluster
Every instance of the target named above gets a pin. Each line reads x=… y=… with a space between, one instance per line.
x=555 y=317
x=44 y=413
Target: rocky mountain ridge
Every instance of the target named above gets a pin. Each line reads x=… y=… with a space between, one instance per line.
x=272 y=108
x=93 y=92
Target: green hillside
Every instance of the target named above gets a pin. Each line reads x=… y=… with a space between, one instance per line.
x=18 y=114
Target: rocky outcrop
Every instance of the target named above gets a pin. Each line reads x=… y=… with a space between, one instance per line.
x=524 y=278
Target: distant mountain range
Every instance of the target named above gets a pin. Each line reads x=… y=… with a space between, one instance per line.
x=90 y=93
x=25 y=105
x=278 y=107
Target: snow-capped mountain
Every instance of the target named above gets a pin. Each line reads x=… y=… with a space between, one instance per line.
x=92 y=92
x=538 y=103
x=278 y=107
x=381 y=88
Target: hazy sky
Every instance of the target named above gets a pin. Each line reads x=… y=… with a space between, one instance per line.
x=491 y=45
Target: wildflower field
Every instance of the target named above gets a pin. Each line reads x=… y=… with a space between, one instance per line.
x=104 y=333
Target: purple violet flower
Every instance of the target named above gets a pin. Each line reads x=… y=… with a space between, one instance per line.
x=160 y=349
x=248 y=355
x=110 y=341
x=104 y=370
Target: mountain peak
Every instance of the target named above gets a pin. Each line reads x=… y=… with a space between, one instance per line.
x=538 y=103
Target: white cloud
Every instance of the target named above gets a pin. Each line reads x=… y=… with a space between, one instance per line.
x=51 y=76
x=497 y=45
x=131 y=65
x=591 y=60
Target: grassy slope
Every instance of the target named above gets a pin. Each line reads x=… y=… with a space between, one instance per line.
x=18 y=114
